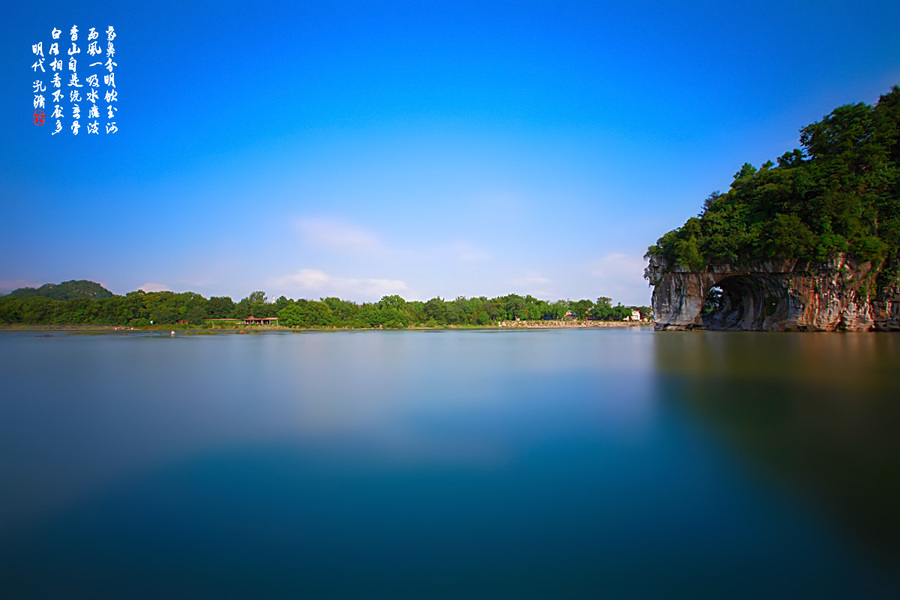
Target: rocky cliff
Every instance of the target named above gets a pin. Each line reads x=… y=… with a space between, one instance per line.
x=772 y=296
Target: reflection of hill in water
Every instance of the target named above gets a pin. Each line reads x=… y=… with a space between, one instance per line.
x=815 y=413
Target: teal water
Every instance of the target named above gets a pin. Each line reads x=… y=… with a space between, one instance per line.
x=500 y=464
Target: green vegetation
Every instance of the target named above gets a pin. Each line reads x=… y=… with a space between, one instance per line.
x=839 y=193
x=67 y=290
x=141 y=309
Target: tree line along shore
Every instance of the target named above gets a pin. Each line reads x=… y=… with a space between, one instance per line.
x=91 y=306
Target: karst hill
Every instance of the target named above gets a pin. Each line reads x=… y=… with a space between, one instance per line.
x=810 y=243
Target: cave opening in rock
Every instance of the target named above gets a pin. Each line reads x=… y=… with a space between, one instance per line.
x=737 y=302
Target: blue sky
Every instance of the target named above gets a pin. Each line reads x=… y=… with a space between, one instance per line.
x=423 y=149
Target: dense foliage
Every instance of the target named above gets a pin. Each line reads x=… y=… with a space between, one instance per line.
x=839 y=193
x=67 y=290
x=140 y=309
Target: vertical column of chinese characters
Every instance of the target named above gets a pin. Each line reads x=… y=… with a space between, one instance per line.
x=38 y=85
x=75 y=94
x=110 y=81
x=93 y=83
x=55 y=67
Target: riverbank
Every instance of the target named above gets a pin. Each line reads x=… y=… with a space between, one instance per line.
x=254 y=328
x=567 y=324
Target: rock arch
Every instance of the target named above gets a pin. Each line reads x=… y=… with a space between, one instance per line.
x=771 y=296
x=747 y=301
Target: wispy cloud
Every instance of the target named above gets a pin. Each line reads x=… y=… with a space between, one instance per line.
x=620 y=276
x=532 y=283
x=313 y=283
x=332 y=234
x=155 y=287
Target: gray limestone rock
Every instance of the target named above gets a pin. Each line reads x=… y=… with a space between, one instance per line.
x=772 y=296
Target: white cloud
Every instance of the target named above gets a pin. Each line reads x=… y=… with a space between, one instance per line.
x=332 y=234
x=621 y=277
x=154 y=287
x=316 y=283
x=307 y=279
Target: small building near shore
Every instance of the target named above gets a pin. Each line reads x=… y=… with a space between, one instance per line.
x=251 y=320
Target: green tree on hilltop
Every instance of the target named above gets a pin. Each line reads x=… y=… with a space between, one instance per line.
x=839 y=193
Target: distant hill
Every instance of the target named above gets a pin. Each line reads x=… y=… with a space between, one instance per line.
x=66 y=290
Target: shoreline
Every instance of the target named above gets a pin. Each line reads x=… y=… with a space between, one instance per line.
x=567 y=324
x=197 y=329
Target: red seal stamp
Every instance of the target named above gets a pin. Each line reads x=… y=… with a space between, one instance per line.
x=38 y=117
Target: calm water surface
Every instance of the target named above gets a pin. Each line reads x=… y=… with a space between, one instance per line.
x=549 y=464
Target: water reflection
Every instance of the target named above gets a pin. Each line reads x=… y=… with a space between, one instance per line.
x=454 y=463
x=118 y=404
x=815 y=414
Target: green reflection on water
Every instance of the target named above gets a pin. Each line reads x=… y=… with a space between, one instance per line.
x=817 y=414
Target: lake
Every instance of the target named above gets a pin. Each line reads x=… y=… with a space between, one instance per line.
x=570 y=463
